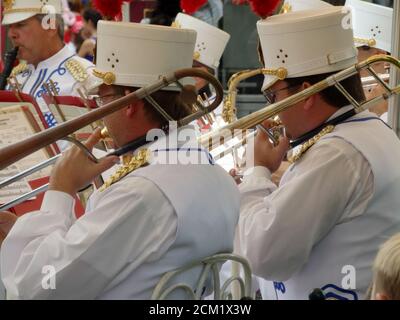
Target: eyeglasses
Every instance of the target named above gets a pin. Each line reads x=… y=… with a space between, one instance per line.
x=270 y=95
x=101 y=101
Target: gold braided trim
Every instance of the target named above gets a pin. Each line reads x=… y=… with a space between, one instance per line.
x=280 y=73
x=136 y=162
x=77 y=70
x=19 y=69
x=309 y=143
x=368 y=42
x=107 y=77
x=21 y=10
x=286 y=8
x=176 y=24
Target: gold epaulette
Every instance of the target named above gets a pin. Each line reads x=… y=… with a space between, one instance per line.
x=77 y=70
x=19 y=69
x=131 y=164
x=309 y=143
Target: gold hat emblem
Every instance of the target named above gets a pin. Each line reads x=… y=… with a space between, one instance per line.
x=281 y=73
x=368 y=42
x=107 y=77
x=8 y=4
x=196 y=55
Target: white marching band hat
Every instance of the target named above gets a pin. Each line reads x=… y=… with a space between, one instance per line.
x=303 y=43
x=20 y=10
x=136 y=55
x=210 y=43
x=298 y=5
x=372 y=24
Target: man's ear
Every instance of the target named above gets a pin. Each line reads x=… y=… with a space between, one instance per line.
x=133 y=108
x=130 y=110
x=310 y=101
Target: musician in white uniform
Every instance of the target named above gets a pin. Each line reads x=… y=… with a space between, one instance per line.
x=144 y=222
x=338 y=201
x=210 y=45
x=38 y=31
x=372 y=25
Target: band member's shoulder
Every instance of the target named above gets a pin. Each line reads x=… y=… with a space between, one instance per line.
x=78 y=67
x=20 y=69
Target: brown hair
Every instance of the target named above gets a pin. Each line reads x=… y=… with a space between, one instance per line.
x=170 y=101
x=332 y=95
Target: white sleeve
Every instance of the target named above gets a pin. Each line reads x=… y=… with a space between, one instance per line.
x=278 y=227
x=131 y=222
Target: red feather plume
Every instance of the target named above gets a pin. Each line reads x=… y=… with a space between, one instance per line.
x=191 y=6
x=109 y=9
x=264 y=8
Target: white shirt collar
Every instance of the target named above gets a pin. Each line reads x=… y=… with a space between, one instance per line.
x=182 y=140
x=174 y=139
x=343 y=110
x=340 y=111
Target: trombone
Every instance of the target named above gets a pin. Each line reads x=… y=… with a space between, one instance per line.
x=217 y=137
x=229 y=108
x=370 y=82
x=17 y=151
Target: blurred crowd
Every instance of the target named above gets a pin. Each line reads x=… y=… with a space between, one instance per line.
x=80 y=21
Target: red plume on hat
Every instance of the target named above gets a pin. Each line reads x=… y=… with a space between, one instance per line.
x=191 y=6
x=109 y=9
x=264 y=8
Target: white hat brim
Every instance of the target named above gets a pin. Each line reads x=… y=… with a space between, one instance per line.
x=11 y=18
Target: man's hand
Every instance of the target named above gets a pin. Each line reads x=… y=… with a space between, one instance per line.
x=234 y=174
x=7 y=220
x=265 y=153
x=74 y=170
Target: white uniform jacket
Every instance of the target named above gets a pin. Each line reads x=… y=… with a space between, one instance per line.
x=154 y=220
x=324 y=224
